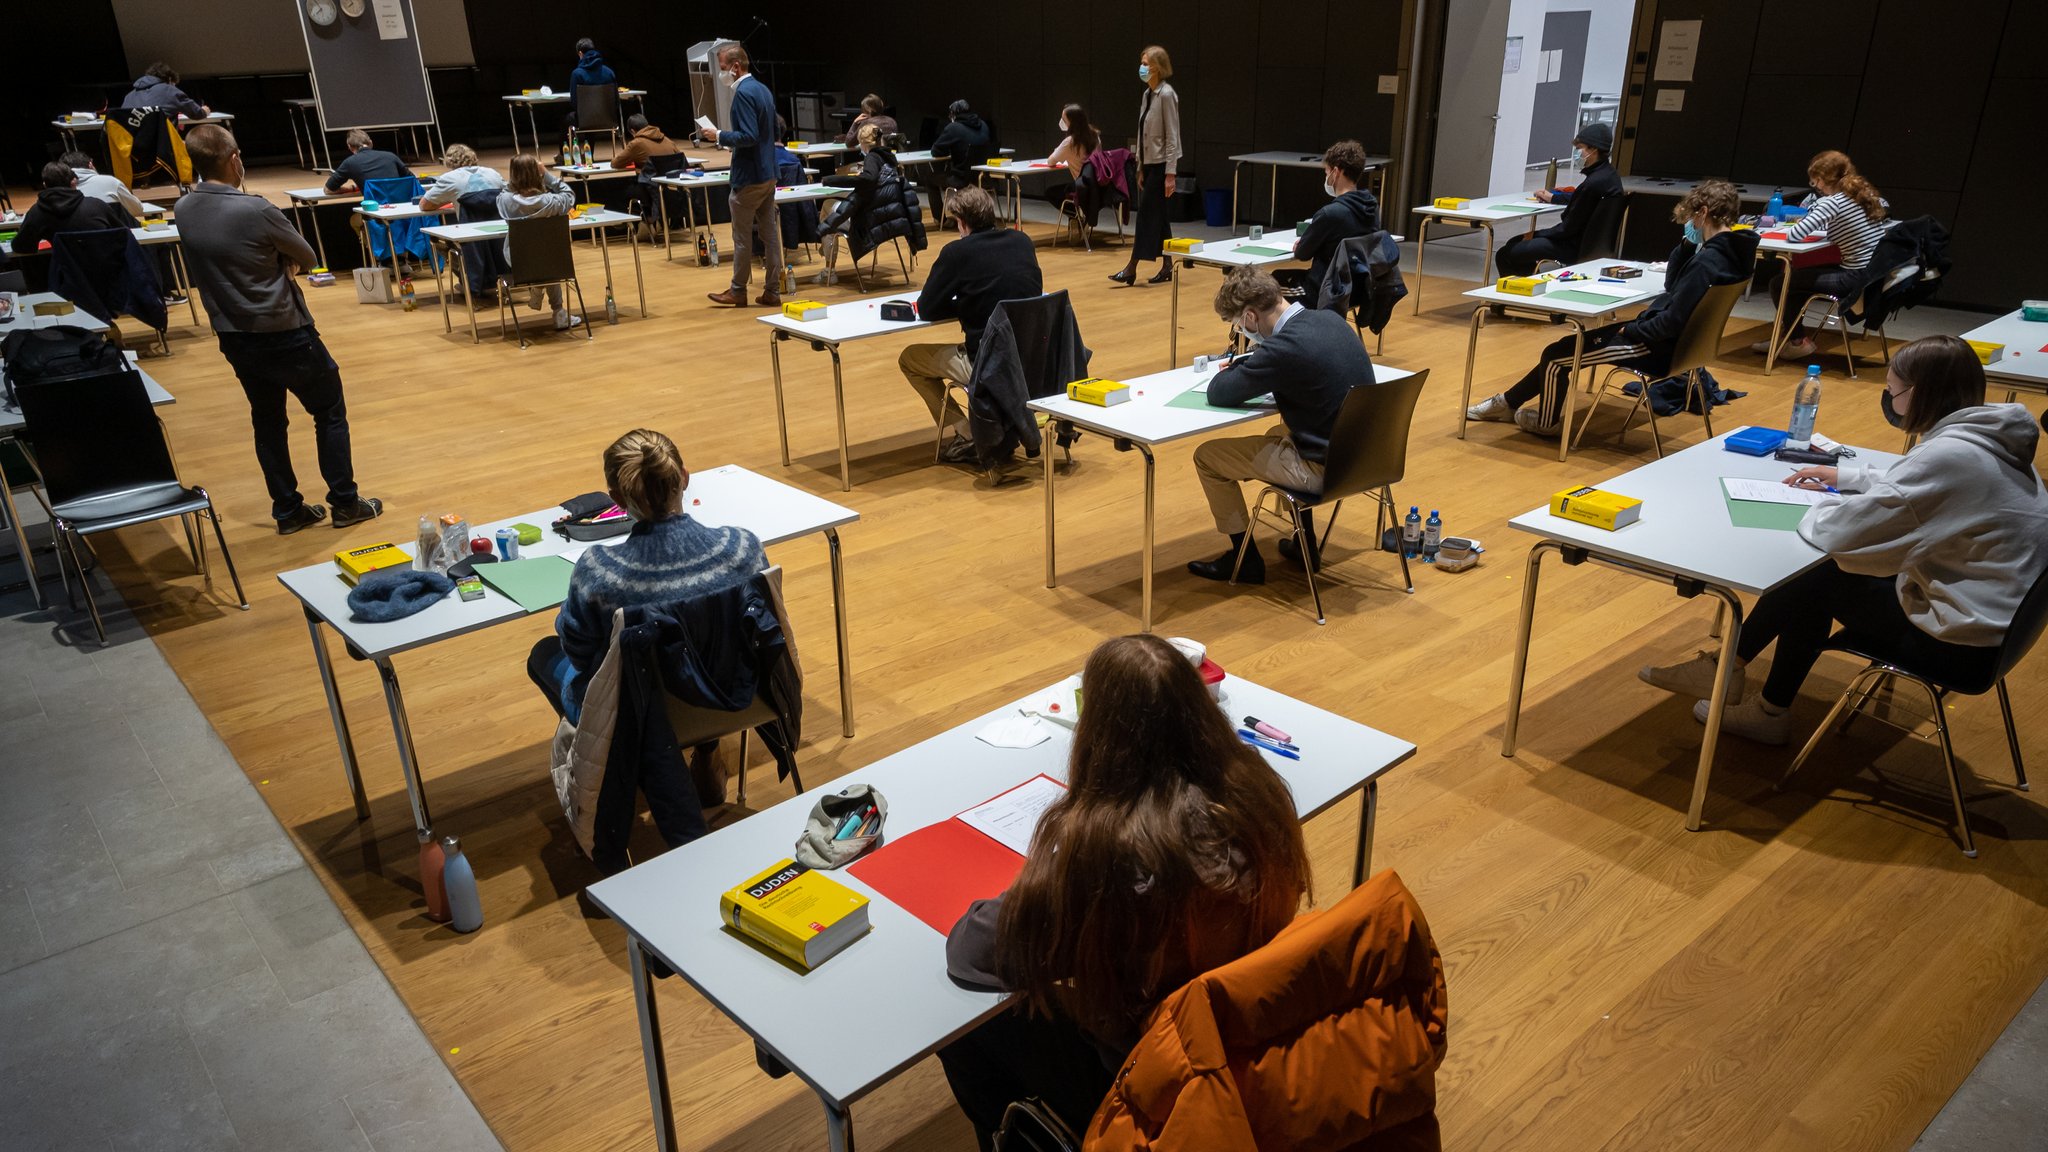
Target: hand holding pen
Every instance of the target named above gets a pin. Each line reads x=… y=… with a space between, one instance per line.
x=1820 y=477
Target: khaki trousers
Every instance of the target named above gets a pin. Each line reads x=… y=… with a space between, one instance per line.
x=1224 y=464
x=753 y=209
x=928 y=367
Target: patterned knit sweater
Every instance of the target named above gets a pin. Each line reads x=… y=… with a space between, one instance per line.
x=660 y=562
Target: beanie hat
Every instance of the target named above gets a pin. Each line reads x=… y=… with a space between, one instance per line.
x=395 y=593
x=1596 y=135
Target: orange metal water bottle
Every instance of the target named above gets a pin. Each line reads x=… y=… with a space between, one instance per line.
x=433 y=860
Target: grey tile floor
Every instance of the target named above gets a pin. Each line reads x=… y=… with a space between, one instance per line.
x=172 y=975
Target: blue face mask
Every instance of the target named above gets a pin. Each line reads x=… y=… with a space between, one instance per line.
x=1692 y=234
x=1144 y=72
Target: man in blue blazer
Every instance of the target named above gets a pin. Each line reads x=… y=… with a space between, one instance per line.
x=752 y=198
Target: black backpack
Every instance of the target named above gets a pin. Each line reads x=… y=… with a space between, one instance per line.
x=59 y=352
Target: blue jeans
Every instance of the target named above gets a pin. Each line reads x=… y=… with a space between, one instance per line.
x=271 y=365
x=549 y=669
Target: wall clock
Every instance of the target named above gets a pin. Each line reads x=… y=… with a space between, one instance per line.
x=322 y=12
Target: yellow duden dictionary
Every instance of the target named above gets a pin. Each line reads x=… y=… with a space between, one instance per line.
x=1097 y=391
x=802 y=915
x=1600 y=509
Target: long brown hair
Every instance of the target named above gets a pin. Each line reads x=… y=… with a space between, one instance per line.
x=1176 y=848
x=1945 y=375
x=1083 y=133
x=525 y=176
x=1842 y=176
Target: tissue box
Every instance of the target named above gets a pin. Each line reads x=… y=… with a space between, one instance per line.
x=1987 y=353
x=803 y=310
x=1452 y=202
x=1183 y=245
x=373 y=285
x=1599 y=509
x=1523 y=285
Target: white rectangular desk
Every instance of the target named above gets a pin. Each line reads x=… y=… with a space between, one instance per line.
x=1275 y=161
x=69 y=129
x=1673 y=187
x=531 y=100
x=1013 y=176
x=1482 y=213
x=1144 y=422
x=917 y=156
x=897 y=972
x=2024 y=365
x=1224 y=254
x=842 y=323
x=1631 y=294
x=12 y=422
x=1785 y=251
x=706 y=181
x=387 y=214
x=306 y=200
x=727 y=495
x=452 y=237
x=1684 y=539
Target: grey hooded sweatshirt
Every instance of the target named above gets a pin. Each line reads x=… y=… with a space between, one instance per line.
x=1961 y=521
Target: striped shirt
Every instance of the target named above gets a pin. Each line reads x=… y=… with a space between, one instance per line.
x=1847 y=225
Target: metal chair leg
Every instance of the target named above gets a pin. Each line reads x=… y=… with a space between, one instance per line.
x=213 y=514
x=1244 y=544
x=740 y=793
x=1948 y=763
x=1819 y=730
x=2012 y=737
x=1388 y=495
x=1308 y=558
x=1862 y=702
x=589 y=329
x=92 y=605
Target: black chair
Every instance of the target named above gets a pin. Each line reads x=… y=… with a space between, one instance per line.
x=1699 y=343
x=483 y=262
x=650 y=201
x=14 y=280
x=106 y=464
x=105 y=273
x=1602 y=238
x=2026 y=628
x=1368 y=455
x=1036 y=322
x=694 y=725
x=1084 y=203
x=540 y=255
x=597 y=111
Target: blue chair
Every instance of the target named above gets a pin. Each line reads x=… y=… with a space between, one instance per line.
x=408 y=235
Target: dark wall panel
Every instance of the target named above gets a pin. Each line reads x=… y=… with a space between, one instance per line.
x=1818 y=38
x=2019 y=52
x=1917 y=116
x=1766 y=152
x=1702 y=137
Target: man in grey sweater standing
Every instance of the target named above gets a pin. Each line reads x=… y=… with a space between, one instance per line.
x=752 y=197
x=242 y=254
x=1308 y=360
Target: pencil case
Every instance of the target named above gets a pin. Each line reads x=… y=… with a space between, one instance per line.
x=820 y=846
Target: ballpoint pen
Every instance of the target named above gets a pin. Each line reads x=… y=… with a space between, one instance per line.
x=1258 y=741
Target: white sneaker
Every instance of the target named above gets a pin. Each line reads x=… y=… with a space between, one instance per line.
x=1530 y=420
x=1494 y=407
x=1752 y=720
x=533 y=298
x=1693 y=678
x=564 y=322
x=1761 y=347
x=828 y=276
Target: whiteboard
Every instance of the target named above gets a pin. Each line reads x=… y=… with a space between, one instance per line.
x=186 y=35
x=368 y=71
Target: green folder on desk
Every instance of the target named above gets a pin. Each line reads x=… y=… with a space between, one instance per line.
x=535 y=584
x=1197 y=399
x=1764 y=514
x=491 y=226
x=1516 y=207
x=1570 y=296
x=1251 y=250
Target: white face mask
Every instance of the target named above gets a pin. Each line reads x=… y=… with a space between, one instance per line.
x=734 y=78
x=1063 y=126
x=1250 y=333
x=1329 y=189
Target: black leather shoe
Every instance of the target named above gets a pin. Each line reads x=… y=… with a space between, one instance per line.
x=305 y=516
x=1165 y=273
x=1127 y=276
x=1291 y=552
x=1253 y=572
x=365 y=509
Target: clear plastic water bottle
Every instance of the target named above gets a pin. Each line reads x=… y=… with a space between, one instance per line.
x=1805 y=409
x=611 y=306
x=1411 y=533
x=1432 y=536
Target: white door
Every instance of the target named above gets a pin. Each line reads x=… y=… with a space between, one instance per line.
x=1468 y=103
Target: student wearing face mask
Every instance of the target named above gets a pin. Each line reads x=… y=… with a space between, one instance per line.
x=1308 y=359
x=1079 y=142
x=1155 y=160
x=752 y=197
x=1928 y=559
x=1352 y=211
x=1710 y=254
x=1560 y=241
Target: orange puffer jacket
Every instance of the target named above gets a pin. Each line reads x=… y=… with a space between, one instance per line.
x=1328 y=1038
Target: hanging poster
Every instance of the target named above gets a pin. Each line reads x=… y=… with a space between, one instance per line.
x=390 y=20
x=1678 y=46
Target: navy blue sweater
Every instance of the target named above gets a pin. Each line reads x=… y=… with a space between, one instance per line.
x=659 y=562
x=752 y=138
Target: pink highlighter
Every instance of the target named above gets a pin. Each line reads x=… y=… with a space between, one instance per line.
x=1265 y=729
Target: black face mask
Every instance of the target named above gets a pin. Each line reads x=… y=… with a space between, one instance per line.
x=1892 y=416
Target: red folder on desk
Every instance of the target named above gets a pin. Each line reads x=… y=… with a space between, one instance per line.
x=935 y=872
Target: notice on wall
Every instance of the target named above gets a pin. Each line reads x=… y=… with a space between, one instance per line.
x=390 y=20
x=1670 y=99
x=1678 y=47
x=1512 y=62
x=1390 y=86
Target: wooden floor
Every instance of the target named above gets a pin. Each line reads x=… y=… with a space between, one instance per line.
x=1819 y=969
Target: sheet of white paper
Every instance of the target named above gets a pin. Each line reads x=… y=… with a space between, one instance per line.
x=1014 y=732
x=705 y=123
x=1678 y=48
x=1011 y=818
x=1770 y=491
x=390 y=20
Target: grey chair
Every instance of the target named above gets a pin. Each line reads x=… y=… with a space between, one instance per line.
x=106 y=464
x=597 y=111
x=695 y=725
x=2027 y=625
x=540 y=254
x=1368 y=455
x=1699 y=344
